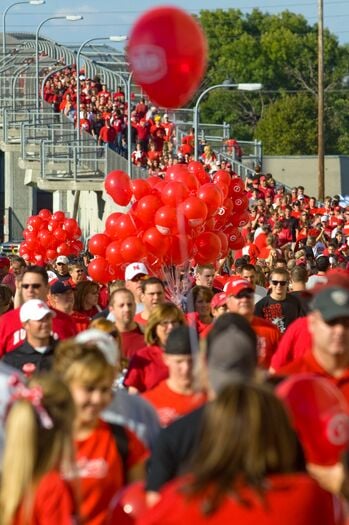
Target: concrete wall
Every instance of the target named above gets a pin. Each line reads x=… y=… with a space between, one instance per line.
x=295 y=171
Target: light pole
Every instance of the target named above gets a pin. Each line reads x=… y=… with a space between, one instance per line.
x=71 y=18
x=121 y=38
x=226 y=84
x=32 y=2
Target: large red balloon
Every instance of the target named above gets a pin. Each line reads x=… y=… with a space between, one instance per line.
x=117 y=185
x=98 y=270
x=166 y=220
x=196 y=168
x=237 y=186
x=167 y=52
x=45 y=214
x=98 y=244
x=240 y=219
x=320 y=414
x=113 y=254
x=124 y=226
x=212 y=196
x=222 y=176
x=146 y=208
x=208 y=246
x=180 y=249
x=154 y=242
x=140 y=188
x=173 y=193
x=194 y=210
x=111 y=228
x=132 y=249
x=58 y=216
x=240 y=203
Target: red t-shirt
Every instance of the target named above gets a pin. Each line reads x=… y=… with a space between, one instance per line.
x=308 y=364
x=12 y=334
x=171 y=405
x=268 y=337
x=100 y=471
x=293 y=499
x=147 y=369
x=131 y=342
x=139 y=319
x=294 y=344
x=53 y=504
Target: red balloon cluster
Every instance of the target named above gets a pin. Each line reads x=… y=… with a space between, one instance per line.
x=48 y=235
x=167 y=52
x=172 y=220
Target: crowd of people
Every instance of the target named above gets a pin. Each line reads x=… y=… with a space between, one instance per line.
x=112 y=385
x=104 y=115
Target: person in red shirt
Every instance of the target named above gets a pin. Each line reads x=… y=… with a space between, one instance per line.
x=101 y=470
x=175 y=396
x=240 y=300
x=153 y=293
x=147 y=367
x=247 y=469
x=44 y=412
x=107 y=134
x=34 y=285
x=122 y=308
x=61 y=298
x=86 y=298
x=328 y=324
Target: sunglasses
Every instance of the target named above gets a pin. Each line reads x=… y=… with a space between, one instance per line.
x=281 y=283
x=35 y=286
x=244 y=294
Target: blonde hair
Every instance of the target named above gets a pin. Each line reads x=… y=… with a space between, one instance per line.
x=158 y=314
x=32 y=450
x=84 y=363
x=104 y=325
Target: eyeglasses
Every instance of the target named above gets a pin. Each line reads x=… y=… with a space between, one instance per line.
x=35 y=286
x=139 y=277
x=281 y=283
x=244 y=294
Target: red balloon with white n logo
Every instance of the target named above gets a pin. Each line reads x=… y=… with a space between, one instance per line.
x=320 y=415
x=167 y=52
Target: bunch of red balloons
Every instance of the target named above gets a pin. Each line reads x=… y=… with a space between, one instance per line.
x=183 y=217
x=48 y=235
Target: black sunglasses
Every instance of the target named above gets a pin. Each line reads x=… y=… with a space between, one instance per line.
x=281 y=283
x=35 y=286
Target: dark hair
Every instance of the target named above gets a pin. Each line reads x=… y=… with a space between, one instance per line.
x=322 y=263
x=39 y=270
x=150 y=281
x=194 y=294
x=248 y=266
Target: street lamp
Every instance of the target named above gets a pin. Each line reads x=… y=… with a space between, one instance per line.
x=71 y=18
x=225 y=84
x=116 y=38
x=31 y=2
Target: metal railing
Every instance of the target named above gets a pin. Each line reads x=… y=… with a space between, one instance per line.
x=32 y=135
x=13 y=120
x=75 y=162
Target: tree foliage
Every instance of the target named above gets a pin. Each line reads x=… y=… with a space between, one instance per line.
x=279 y=51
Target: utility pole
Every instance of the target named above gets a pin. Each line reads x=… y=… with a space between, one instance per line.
x=320 y=133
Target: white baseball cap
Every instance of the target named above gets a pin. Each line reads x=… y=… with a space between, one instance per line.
x=34 y=310
x=134 y=269
x=104 y=341
x=62 y=259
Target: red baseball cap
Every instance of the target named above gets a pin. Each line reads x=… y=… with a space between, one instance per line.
x=235 y=285
x=219 y=299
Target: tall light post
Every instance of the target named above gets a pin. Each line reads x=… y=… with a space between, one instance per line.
x=121 y=38
x=226 y=84
x=31 y=2
x=71 y=18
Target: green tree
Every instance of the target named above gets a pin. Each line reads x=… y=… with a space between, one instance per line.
x=280 y=51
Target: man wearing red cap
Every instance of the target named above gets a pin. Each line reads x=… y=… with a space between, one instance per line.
x=240 y=300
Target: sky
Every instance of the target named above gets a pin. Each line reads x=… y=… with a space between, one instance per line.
x=112 y=17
